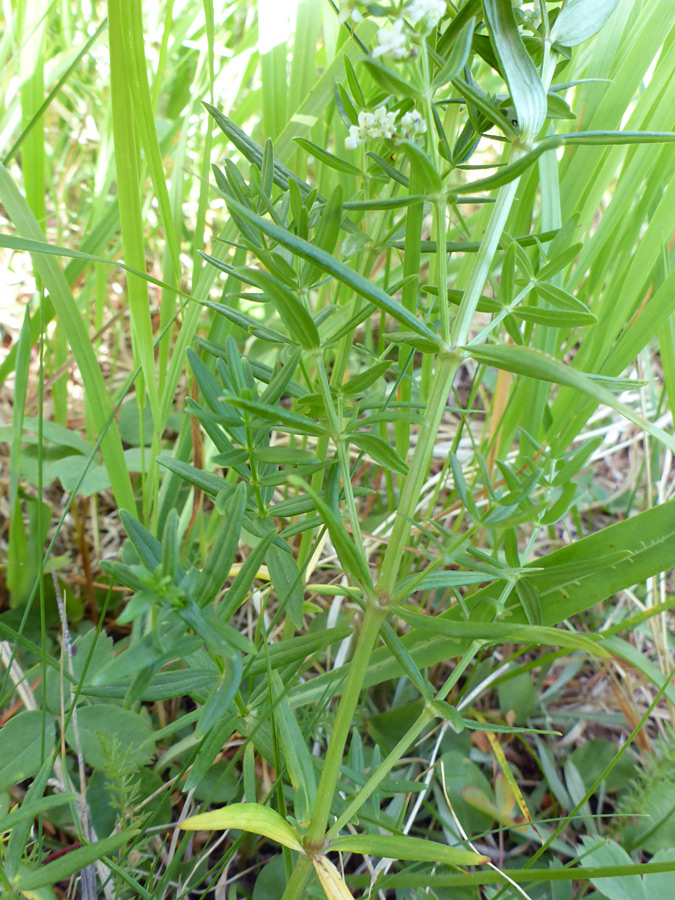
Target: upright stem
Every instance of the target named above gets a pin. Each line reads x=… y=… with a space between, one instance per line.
x=296 y=883
x=484 y=257
x=447 y=365
x=383 y=770
x=442 y=267
x=425 y=717
x=342 y=726
x=343 y=455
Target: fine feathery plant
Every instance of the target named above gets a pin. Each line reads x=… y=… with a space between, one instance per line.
x=416 y=246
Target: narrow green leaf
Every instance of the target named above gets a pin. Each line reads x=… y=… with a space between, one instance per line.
x=75 y=861
x=385 y=203
x=328 y=159
x=327 y=234
x=553 y=317
x=423 y=344
x=579 y=20
x=284 y=456
x=535 y=364
x=284 y=419
x=556 y=108
x=529 y=600
x=243 y=581
x=380 y=451
x=13 y=242
x=354 y=84
x=267 y=169
x=458 y=55
x=288 y=583
x=295 y=317
x=361 y=382
x=423 y=169
x=478 y=99
x=419 y=849
x=295 y=750
x=387 y=167
x=300 y=647
x=499 y=632
x=462 y=489
x=338 y=269
x=252 y=151
x=29 y=811
x=19 y=820
x=221 y=556
x=517 y=875
x=147 y=546
x=221 y=700
x=247 y=323
x=350 y=558
x=527 y=92
x=445 y=711
x=390 y=81
x=206 y=481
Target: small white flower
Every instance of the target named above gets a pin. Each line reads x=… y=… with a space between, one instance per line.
x=392 y=42
x=384 y=124
x=412 y=124
x=354 y=140
x=376 y=126
x=350 y=10
x=425 y=14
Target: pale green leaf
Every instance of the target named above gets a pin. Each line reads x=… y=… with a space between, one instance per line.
x=251 y=817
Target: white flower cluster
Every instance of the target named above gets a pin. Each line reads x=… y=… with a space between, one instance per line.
x=411 y=125
x=392 y=42
x=424 y=15
x=381 y=124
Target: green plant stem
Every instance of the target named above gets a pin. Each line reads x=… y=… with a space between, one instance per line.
x=439 y=225
x=425 y=717
x=484 y=257
x=296 y=884
x=343 y=455
x=442 y=268
x=385 y=767
x=446 y=368
x=447 y=365
x=336 y=748
x=342 y=725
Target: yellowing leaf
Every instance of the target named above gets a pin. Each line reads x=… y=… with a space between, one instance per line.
x=331 y=880
x=504 y=795
x=246 y=817
x=508 y=775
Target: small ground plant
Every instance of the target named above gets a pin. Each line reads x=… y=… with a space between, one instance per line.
x=363 y=576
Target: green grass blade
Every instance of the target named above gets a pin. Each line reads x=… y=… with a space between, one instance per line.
x=78 y=339
x=128 y=196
